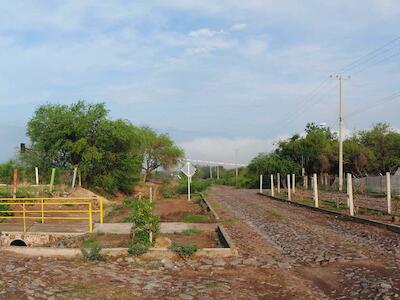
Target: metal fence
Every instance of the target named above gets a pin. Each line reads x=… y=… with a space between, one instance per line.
x=377 y=184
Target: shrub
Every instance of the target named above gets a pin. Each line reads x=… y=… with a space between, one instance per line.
x=4 y=210
x=197 y=186
x=93 y=254
x=138 y=249
x=167 y=190
x=184 y=250
x=143 y=222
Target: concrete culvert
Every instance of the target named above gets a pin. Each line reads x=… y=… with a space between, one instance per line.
x=20 y=243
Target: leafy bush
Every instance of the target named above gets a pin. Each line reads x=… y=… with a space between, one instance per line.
x=138 y=249
x=93 y=254
x=143 y=222
x=167 y=190
x=197 y=186
x=4 y=210
x=184 y=250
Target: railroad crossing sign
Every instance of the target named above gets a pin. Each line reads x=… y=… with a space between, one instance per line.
x=189 y=171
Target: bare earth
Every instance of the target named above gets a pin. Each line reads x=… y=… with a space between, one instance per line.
x=287 y=252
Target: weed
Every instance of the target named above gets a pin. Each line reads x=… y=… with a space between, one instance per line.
x=229 y=221
x=94 y=253
x=184 y=250
x=138 y=249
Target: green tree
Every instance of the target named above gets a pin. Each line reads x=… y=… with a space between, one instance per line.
x=158 y=150
x=80 y=135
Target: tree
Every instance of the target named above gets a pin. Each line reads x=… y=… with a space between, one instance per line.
x=80 y=135
x=158 y=150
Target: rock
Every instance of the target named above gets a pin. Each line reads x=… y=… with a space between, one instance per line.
x=185 y=297
x=162 y=242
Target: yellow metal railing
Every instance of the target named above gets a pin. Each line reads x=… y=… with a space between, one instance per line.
x=23 y=203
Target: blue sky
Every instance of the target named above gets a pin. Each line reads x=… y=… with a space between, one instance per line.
x=217 y=75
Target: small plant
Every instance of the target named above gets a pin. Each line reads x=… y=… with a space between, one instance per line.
x=195 y=219
x=93 y=254
x=5 y=210
x=138 y=249
x=185 y=250
x=191 y=232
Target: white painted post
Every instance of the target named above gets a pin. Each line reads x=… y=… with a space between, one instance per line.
x=189 y=179
x=261 y=184
x=306 y=182
x=74 y=177
x=315 y=188
x=211 y=175
x=151 y=236
x=279 y=183
x=37 y=175
x=350 y=189
x=289 y=195
x=348 y=194
x=388 y=193
x=272 y=186
x=294 y=183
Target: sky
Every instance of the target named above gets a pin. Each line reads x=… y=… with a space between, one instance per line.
x=216 y=75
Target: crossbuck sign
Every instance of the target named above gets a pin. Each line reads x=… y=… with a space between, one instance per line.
x=189 y=171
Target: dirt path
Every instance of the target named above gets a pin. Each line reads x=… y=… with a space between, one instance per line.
x=343 y=259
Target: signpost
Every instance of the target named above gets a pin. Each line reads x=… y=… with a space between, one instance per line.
x=189 y=171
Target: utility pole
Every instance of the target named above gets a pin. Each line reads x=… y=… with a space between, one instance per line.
x=340 y=78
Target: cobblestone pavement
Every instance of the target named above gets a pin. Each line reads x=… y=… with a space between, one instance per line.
x=343 y=259
x=286 y=252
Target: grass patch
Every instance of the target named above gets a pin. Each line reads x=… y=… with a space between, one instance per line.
x=195 y=219
x=229 y=221
x=184 y=250
x=275 y=214
x=191 y=232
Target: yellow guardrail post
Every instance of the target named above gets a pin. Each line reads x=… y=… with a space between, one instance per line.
x=42 y=202
x=23 y=213
x=90 y=218
x=101 y=210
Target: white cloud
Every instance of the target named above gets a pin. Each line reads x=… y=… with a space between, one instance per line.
x=223 y=149
x=204 y=33
x=239 y=27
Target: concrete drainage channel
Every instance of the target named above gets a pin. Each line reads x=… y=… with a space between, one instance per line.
x=29 y=243
x=11 y=242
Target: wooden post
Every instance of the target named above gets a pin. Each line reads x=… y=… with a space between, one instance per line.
x=211 y=175
x=272 y=186
x=294 y=183
x=278 y=182
x=261 y=184
x=217 y=172
x=140 y=195
x=37 y=175
x=15 y=180
x=79 y=178
x=53 y=174
x=306 y=182
x=388 y=193
x=350 y=190
x=288 y=188
x=315 y=188
x=151 y=194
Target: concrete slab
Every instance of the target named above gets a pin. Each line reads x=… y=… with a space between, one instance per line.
x=47 y=228
x=165 y=227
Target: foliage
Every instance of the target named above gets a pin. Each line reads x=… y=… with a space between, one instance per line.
x=5 y=210
x=143 y=222
x=107 y=152
x=374 y=151
x=196 y=186
x=158 y=150
x=94 y=253
x=137 y=249
x=167 y=190
x=184 y=250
